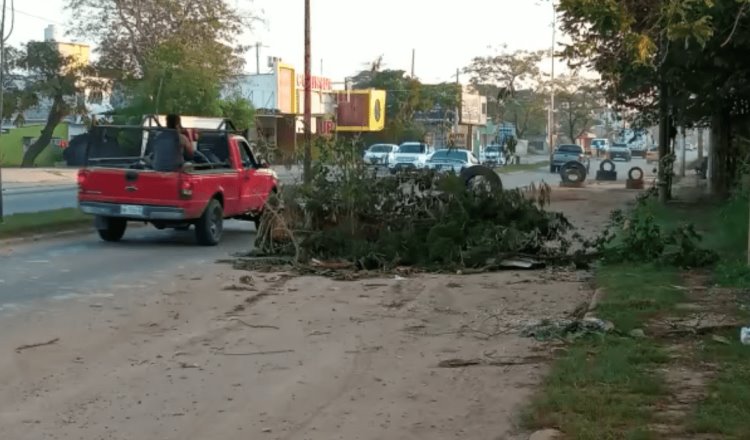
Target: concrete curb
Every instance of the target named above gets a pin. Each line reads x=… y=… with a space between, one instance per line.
x=74 y=230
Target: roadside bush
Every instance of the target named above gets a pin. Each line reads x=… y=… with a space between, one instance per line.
x=637 y=237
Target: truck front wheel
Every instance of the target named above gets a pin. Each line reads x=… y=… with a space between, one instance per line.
x=111 y=228
x=210 y=226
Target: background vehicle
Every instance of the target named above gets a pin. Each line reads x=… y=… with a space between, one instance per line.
x=637 y=150
x=410 y=155
x=118 y=184
x=600 y=146
x=565 y=153
x=492 y=155
x=380 y=154
x=620 y=151
x=453 y=159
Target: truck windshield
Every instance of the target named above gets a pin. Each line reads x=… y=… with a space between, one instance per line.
x=449 y=154
x=412 y=149
x=380 y=149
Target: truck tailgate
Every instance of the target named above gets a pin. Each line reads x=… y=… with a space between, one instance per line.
x=144 y=187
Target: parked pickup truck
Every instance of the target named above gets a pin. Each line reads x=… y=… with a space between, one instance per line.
x=224 y=180
x=566 y=153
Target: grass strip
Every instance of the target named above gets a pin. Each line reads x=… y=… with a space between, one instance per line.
x=605 y=386
x=57 y=220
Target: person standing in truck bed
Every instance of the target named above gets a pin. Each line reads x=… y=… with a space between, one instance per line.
x=171 y=152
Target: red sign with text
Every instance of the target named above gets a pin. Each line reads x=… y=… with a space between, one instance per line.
x=318 y=82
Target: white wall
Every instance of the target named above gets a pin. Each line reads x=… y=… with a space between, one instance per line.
x=261 y=90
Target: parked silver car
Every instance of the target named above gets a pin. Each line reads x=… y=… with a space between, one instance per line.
x=453 y=159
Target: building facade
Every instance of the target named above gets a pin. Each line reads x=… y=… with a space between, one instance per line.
x=279 y=100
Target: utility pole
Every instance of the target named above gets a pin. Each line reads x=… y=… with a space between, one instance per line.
x=307 y=165
x=458 y=106
x=700 y=143
x=3 y=38
x=684 y=152
x=413 y=57
x=551 y=117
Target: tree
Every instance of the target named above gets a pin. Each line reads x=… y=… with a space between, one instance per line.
x=126 y=31
x=508 y=71
x=577 y=104
x=528 y=112
x=678 y=61
x=41 y=76
x=239 y=110
x=510 y=81
x=175 y=79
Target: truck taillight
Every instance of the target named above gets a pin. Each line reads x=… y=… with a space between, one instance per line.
x=82 y=177
x=186 y=189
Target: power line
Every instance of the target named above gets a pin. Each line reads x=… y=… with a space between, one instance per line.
x=39 y=17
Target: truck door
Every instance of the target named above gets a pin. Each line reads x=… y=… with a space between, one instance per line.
x=251 y=186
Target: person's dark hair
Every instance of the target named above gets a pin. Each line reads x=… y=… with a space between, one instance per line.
x=173 y=121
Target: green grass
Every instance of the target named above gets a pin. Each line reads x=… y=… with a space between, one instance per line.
x=726 y=411
x=521 y=167
x=21 y=225
x=605 y=386
x=11 y=145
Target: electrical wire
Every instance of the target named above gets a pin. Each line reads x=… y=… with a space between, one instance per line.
x=12 y=19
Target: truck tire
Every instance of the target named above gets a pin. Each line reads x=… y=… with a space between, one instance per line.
x=635 y=173
x=209 y=227
x=607 y=165
x=111 y=229
x=485 y=174
x=573 y=172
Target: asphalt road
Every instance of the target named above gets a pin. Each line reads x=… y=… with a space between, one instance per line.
x=39 y=199
x=84 y=265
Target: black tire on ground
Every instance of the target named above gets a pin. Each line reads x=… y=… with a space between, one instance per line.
x=209 y=228
x=113 y=230
x=636 y=170
x=573 y=168
x=487 y=174
x=607 y=165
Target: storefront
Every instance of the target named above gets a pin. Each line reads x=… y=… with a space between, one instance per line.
x=279 y=100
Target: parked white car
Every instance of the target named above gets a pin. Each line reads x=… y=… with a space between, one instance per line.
x=380 y=154
x=453 y=159
x=410 y=156
x=492 y=155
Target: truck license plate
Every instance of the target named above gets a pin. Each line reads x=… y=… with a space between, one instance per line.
x=131 y=210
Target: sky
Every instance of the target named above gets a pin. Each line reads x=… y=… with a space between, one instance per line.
x=348 y=34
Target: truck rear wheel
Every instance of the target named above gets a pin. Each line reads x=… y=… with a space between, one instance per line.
x=210 y=226
x=111 y=229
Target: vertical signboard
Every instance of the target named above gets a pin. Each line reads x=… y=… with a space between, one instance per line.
x=286 y=86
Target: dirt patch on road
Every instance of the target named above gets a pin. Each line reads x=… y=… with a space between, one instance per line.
x=270 y=356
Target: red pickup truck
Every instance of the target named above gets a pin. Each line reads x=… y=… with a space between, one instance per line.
x=224 y=180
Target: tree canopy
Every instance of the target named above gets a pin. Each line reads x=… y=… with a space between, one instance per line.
x=125 y=32
x=40 y=75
